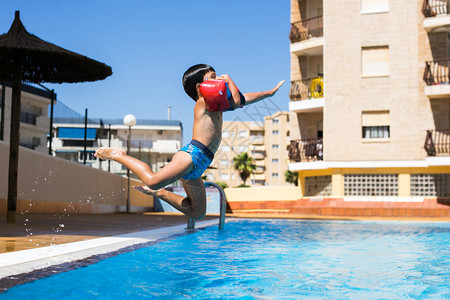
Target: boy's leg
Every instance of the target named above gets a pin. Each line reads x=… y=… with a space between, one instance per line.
x=194 y=205
x=195 y=190
x=180 y=165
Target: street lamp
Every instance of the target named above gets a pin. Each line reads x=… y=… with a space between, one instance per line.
x=129 y=120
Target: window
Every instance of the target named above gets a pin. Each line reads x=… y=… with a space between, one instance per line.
x=375 y=61
x=90 y=155
x=225 y=148
x=435 y=185
x=318 y=186
x=243 y=148
x=224 y=177
x=274 y=175
x=275 y=146
x=375 y=124
x=225 y=134
x=275 y=121
x=36 y=141
x=275 y=160
x=371 y=185
x=374 y=6
x=243 y=133
x=376 y=132
x=224 y=162
x=275 y=132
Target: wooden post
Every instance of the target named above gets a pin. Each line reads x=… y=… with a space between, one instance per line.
x=51 y=124
x=14 y=146
x=2 y=117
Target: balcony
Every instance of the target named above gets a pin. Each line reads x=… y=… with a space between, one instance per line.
x=28 y=118
x=259 y=170
x=306 y=150
x=437 y=18
x=436 y=76
x=256 y=140
x=307 y=95
x=437 y=142
x=307 y=36
x=258 y=154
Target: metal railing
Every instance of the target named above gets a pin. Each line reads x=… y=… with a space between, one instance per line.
x=28 y=118
x=305 y=29
x=141 y=143
x=306 y=150
x=432 y=8
x=437 y=71
x=309 y=88
x=437 y=142
x=223 y=207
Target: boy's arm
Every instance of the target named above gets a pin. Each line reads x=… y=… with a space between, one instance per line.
x=258 y=96
x=233 y=89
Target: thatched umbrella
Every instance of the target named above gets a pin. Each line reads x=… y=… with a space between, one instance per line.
x=26 y=58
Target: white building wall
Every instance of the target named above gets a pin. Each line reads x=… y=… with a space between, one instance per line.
x=30 y=134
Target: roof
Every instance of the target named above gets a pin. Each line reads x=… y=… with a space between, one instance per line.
x=106 y=122
x=41 y=61
x=66 y=115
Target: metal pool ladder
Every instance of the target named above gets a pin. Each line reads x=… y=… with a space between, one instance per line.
x=223 y=207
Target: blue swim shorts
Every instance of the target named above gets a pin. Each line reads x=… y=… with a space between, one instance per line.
x=201 y=158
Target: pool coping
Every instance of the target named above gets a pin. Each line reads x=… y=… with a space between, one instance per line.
x=31 y=260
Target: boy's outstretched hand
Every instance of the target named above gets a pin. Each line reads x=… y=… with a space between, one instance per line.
x=275 y=89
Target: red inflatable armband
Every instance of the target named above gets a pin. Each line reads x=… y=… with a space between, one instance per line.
x=216 y=94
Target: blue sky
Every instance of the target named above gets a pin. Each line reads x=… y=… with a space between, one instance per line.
x=149 y=44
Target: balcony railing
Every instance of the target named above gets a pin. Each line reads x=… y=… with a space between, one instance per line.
x=437 y=71
x=305 y=29
x=27 y=118
x=437 y=142
x=432 y=8
x=306 y=89
x=140 y=143
x=306 y=150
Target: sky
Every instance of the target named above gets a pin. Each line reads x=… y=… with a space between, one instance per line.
x=149 y=44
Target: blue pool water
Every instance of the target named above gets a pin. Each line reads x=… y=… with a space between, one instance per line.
x=270 y=259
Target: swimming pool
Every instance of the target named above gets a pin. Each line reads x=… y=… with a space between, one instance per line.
x=270 y=259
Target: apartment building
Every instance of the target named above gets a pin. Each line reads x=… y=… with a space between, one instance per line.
x=152 y=141
x=34 y=119
x=266 y=142
x=276 y=141
x=370 y=94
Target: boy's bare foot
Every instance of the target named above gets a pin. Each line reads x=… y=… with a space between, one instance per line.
x=146 y=190
x=109 y=153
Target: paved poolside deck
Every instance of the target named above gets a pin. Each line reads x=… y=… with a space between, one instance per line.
x=39 y=230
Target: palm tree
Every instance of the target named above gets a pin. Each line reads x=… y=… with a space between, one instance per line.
x=291 y=177
x=244 y=164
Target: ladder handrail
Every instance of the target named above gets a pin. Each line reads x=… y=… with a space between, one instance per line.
x=223 y=206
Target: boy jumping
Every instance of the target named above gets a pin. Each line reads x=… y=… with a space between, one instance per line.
x=191 y=161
